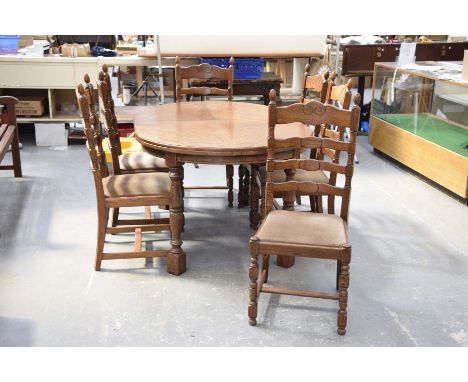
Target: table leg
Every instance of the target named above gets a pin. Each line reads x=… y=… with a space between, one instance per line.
x=288 y=204
x=240 y=194
x=230 y=184
x=360 y=89
x=247 y=192
x=254 y=196
x=182 y=174
x=290 y=197
x=139 y=78
x=176 y=263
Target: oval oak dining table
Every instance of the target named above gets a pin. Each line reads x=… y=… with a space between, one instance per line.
x=208 y=132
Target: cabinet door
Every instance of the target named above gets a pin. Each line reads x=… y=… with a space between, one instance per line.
x=43 y=75
x=360 y=59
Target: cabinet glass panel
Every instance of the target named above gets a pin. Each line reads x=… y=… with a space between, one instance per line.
x=418 y=102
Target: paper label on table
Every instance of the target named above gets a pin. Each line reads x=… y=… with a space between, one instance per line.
x=407 y=52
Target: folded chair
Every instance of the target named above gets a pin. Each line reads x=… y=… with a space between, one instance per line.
x=306 y=234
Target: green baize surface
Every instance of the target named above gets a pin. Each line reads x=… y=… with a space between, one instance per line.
x=442 y=133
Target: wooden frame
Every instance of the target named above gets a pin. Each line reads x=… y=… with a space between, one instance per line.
x=9 y=136
x=104 y=203
x=445 y=167
x=312 y=113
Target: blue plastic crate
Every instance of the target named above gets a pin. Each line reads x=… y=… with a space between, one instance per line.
x=9 y=44
x=244 y=68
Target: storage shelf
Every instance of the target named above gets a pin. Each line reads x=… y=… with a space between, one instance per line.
x=44 y=118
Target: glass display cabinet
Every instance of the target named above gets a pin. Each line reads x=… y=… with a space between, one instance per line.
x=419 y=117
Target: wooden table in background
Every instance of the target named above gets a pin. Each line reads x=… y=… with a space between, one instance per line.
x=211 y=132
x=260 y=87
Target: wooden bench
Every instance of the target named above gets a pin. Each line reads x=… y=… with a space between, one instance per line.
x=9 y=136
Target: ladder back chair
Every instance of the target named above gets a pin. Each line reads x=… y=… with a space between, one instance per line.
x=9 y=137
x=207 y=71
x=128 y=162
x=327 y=92
x=123 y=190
x=306 y=234
x=316 y=85
x=122 y=163
x=341 y=94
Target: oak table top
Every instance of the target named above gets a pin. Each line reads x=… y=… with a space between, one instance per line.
x=229 y=131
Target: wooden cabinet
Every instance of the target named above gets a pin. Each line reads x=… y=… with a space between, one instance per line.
x=360 y=59
x=54 y=79
x=419 y=116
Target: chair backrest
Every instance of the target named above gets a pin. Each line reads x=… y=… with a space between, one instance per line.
x=316 y=83
x=10 y=103
x=110 y=103
x=89 y=94
x=311 y=113
x=204 y=71
x=342 y=95
x=106 y=104
x=93 y=138
x=339 y=93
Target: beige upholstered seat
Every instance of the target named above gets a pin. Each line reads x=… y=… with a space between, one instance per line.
x=300 y=176
x=141 y=184
x=141 y=162
x=307 y=228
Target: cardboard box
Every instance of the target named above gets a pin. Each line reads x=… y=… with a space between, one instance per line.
x=30 y=106
x=25 y=40
x=82 y=50
x=51 y=134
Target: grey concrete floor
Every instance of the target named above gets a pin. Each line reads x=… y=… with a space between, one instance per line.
x=409 y=270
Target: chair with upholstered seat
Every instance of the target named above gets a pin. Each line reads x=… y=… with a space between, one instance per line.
x=121 y=190
x=207 y=71
x=315 y=86
x=306 y=234
x=122 y=163
x=324 y=89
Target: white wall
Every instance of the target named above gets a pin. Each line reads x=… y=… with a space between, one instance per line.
x=232 y=45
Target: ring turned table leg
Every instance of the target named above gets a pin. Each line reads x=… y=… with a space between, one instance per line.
x=230 y=183
x=240 y=194
x=176 y=262
x=246 y=185
x=254 y=196
x=288 y=204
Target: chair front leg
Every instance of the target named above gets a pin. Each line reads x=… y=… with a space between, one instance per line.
x=253 y=276
x=101 y=236
x=343 y=285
